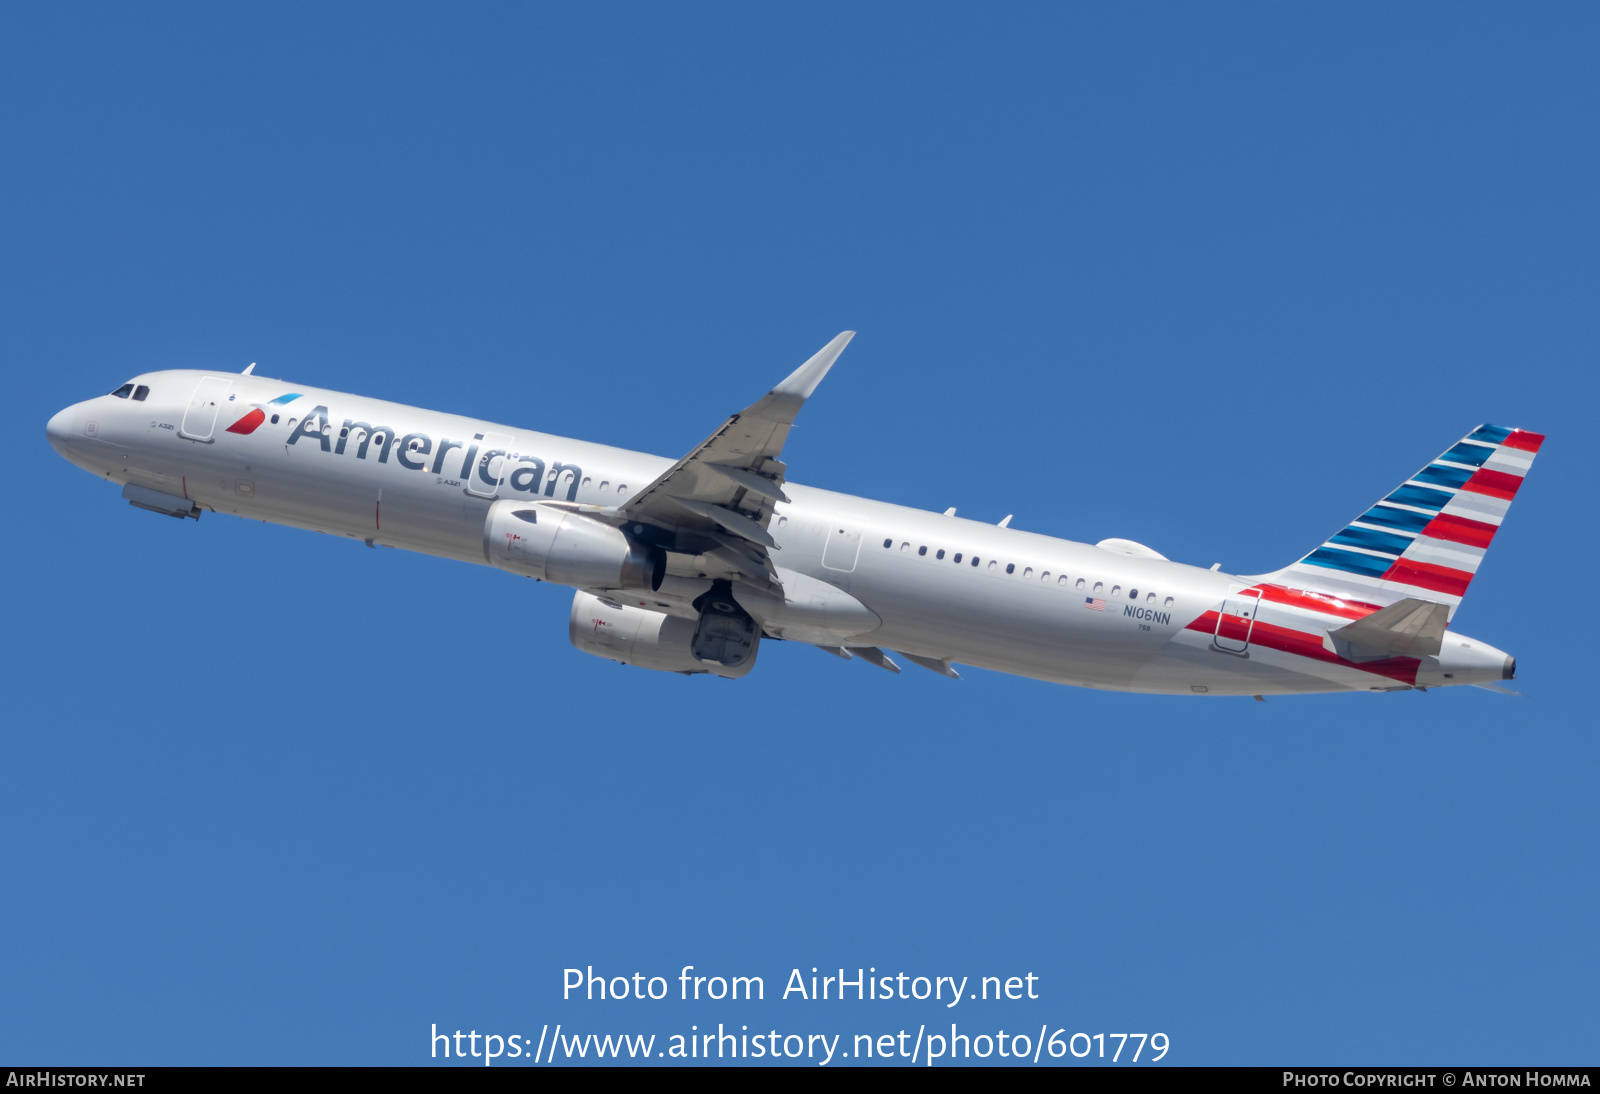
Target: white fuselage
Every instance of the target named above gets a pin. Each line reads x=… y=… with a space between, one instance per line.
x=944 y=588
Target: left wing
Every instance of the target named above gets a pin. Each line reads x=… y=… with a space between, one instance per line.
x=717 y=501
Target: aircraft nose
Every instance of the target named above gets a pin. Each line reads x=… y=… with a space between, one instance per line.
x=59 y=429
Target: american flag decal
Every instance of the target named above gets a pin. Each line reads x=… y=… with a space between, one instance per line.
x=1094 y=604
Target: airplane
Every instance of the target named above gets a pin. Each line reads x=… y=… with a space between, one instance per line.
x=688 y=566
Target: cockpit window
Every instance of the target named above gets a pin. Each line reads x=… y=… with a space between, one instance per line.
x=124 y=391
x=141 y=393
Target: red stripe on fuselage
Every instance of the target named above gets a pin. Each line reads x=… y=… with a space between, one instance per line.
x=1521 y=438
x=1473 y=533
x=1316 y=602
x=1497 y=484
x=1287 y=640
x=1441 y=579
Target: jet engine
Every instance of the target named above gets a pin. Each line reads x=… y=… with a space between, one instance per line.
x=649 y=639
x=567 y=548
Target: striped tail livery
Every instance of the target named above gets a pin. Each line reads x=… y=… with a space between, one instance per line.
x=1427 y=537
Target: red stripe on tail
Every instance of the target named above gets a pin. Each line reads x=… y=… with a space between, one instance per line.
x=1497 y=484
x=1473 y=533
x=1441 y=579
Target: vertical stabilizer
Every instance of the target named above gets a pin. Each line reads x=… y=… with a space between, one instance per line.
x=1427 y=537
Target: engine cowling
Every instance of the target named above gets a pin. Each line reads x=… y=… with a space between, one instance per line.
x=568 y=548
x=639 y=636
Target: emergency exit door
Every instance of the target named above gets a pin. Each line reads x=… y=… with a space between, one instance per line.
x=1237 y=621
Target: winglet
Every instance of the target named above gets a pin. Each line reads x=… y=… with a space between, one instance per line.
x=788 y=397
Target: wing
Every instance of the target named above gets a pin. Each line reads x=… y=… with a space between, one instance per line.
x=717 y=501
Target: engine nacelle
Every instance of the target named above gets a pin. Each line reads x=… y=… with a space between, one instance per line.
x=639 y=636
x=568 y=548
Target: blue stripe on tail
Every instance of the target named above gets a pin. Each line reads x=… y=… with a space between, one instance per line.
x=1348 y=561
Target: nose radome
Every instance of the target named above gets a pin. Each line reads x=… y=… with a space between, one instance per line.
x=59 y=429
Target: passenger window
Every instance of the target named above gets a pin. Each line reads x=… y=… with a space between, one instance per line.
x=904 y=547
x=1133 y=594
x=1150 y=598
x=1028 y=572
x=1062 y=580
x=1011 y=567
x=274 y=419
x=586 y=481
x=886 y=543
x=622 y=488
x=957 y=559
x=1169 y=602
x=922 y=550
x=782 y=521
x=605 y=484
x=124 y=391
x=141 y=393
x=1116 y=590
x=1099 y=586
x=939 y=553
x=975 y=560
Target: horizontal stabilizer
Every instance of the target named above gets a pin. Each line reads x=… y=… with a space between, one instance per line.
x=1408 y=628
x=1497 y=688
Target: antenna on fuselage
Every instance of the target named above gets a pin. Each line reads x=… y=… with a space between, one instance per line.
x=251 y=367
x=1007 y=522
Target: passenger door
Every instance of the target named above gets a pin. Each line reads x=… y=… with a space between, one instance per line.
x=492 y=466
x=200 y=418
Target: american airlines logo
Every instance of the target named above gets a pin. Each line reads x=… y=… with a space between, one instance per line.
x=258 y=414
x=516 y=470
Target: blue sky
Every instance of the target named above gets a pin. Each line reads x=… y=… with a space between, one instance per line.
x=1213 y=278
